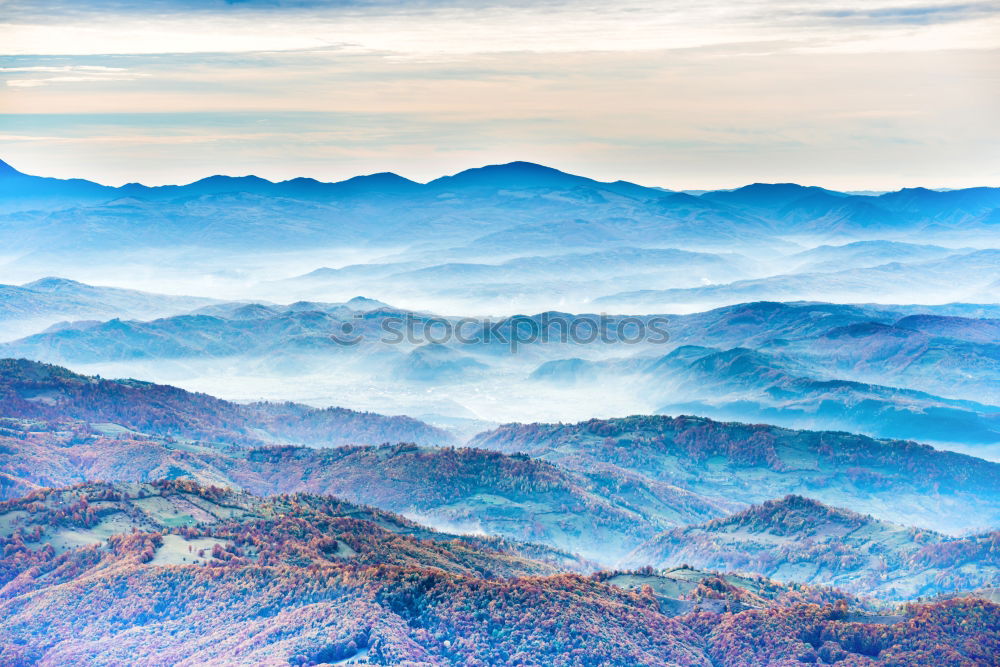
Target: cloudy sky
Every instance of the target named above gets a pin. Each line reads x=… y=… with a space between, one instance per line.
x=849 y=94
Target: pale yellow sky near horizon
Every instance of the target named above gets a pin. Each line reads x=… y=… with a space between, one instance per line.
x=846 y=95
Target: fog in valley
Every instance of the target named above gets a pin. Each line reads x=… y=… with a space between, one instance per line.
x=783 y=304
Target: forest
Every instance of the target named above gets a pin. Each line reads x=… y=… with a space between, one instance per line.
x=311 y=580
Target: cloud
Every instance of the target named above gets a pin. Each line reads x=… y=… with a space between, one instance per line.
x=679 y=93
x=426 y=30
x=912 y=15
x=451 y=29
x=64 y=68
x=66 y=74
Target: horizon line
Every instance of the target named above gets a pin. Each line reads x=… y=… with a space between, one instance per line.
x=871 y=191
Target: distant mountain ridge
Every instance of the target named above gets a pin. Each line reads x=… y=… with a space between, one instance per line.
x=40 y=303
x=864 y=254
x=886 y=371
x=517 y=174
x=15 y=185
x=511 y=206
x=893 y=281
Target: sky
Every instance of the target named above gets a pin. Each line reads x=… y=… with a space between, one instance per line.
x=849 y=94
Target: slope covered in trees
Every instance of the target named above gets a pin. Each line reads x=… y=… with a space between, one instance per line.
x=600 y=488
x=199 y=574
x=601 y=515
x=35 y=390
x=895 y=480
x=797 y=539
x=483 y=492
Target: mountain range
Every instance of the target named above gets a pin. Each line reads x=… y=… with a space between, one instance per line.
x=892 y=282
x=507 y=208
x=788 y=202
x=36 y=305
x=889 y=371
x=517 y=237
x=598 y=488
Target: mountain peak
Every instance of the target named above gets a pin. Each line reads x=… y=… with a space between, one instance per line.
x=381 y=182
x=7 y=170
x=768 y=195
x=380 y=177
x=53 y=283
x=520 y=165
x=515 y=167
x=364 y=304
x=223 y=181
x=512 y=174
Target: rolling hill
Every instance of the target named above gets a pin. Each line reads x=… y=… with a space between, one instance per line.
x=864 y=254
x=601 y=514
x=886 y=371
x=33 y=306
x=789 y=386
x=894 y=480
x=746 y=385
x=956 y=277
x=32 y=390
x=205 y=575
x=630 y=478
x=801 y=540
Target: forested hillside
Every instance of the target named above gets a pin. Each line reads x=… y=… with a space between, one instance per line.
x=797 y=539
x=34 y=390
x=896 y=480
x=201 y=575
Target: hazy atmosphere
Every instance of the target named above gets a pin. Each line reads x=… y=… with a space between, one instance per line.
x=565 y=333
